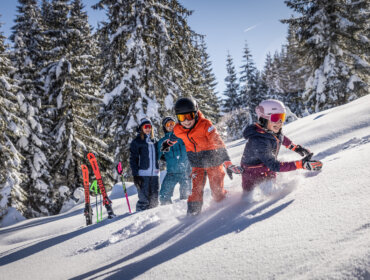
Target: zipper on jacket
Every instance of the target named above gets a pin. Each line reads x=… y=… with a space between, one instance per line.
x=195 y=147
x=153 y=157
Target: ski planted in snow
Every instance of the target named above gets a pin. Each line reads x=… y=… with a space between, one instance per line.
x=88 y=211
x=106 y=201
x=96 y=191
x=120 y=172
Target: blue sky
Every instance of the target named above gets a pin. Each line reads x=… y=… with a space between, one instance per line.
x=227 y=25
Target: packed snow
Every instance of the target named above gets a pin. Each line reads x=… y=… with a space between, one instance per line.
x=307 y=225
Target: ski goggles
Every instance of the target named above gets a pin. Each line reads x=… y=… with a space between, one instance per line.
x=146 y=126
x=169 y=124
x=188 y=116
x=277 y=117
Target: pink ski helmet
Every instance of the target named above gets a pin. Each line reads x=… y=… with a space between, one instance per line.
x=272 y=110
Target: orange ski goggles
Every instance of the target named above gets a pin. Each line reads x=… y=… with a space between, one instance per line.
x=169 y=124
x=277 y=117
x=188 y=116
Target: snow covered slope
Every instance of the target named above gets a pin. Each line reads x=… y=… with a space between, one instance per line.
x=306 y=226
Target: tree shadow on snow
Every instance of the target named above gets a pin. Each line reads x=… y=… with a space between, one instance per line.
x=191 y=233
x=45 y=244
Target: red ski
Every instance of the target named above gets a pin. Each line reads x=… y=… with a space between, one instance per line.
x=106 y=201
x=88 y=210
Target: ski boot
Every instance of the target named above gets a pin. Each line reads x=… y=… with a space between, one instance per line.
x=108 y=206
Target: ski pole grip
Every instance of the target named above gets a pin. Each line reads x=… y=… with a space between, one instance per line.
x=119 y=168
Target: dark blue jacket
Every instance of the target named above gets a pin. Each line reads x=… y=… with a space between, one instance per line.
x=143 y=159
x=263 y=148
x=176 y=158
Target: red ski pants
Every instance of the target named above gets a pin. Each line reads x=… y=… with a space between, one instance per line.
x=216 y=176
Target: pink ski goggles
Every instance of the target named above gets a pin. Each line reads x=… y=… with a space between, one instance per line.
x=277 y=117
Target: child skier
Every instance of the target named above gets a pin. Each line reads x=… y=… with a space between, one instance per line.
x=144 y=166
x=178 y=167
x=206 y=152
x=259 y=160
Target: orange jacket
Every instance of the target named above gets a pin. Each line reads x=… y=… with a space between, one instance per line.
x=204 y=145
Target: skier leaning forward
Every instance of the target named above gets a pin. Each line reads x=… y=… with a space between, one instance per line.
x=259 y=160
x=206 y=153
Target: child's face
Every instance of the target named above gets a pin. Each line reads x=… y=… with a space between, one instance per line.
x=147 y=129
x=274 y=126
x=170 y=125
x=188 y=123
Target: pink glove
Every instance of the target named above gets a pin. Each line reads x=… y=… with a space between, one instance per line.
x=307 y=163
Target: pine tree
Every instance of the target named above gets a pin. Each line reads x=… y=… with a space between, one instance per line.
x=12 y=128
x=277 y=81
x=328 y=30
x=205 y=94
x=27 y=51
x=267 y=75
x=296 y=68
x=295 y=73
x=262 y=89
x=71 y=76
x=233 y=100
x=150 y=45
x=250 y=96
x=85 y=79
x=56 y=68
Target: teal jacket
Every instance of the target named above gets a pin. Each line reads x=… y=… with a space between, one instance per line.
x=176 y=158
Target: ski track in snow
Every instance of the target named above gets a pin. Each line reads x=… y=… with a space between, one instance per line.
x=350 y=144
x=142 y=224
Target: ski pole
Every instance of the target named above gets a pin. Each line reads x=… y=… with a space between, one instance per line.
x=120 y=171
x=94 y=188
x=101 y=207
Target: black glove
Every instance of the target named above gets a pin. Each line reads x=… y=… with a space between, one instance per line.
x=166 y=145
x=138 y=181
x=309 y=164
x=229 y=173
x=231 y=168
x=300 y=150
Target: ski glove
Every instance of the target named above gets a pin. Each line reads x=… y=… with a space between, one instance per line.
x=231 y=168
x=299 y=150
x=138 y=180
x=307 y=163
x=166 y=145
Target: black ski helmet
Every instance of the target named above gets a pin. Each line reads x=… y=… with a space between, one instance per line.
x=165 y=120
x=185 y=105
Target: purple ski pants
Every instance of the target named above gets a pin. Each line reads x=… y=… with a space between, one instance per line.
x=254 y=175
